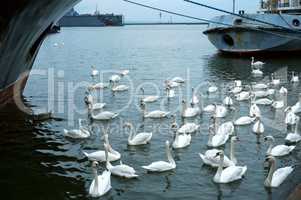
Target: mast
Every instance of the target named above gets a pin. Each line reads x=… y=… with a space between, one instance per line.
x=233 y=6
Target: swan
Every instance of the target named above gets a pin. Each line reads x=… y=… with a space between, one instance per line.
x=278 y=104
x=275 y=81
x=172 y=84
x=103 y=115
x=194 y=99
x=257 y=72
x=153 y=114
x=261 y=93
x=120 y=170
x=279 y=150
x=100 y=155
x=148 y=99
x=88 y=98
x=271 y=91
x=96 y=106
x=188 y=128
x=119 y=88
x=178 y=80
x=276 y=177
x=295 y=78
x=101 y=184
x=220 y=111
x=254 y=111
x=98 y=86
x=138 y=139
x=294 y=137
x=212 y=88
x=242 y=96
x=244 y=120
x=230 y=174
x=210 y=158
x=283 y=90
x=162 y=166
x=238 y=83
x=189 y=111
x=124 y=72
x=181 y=140
x=216 y=140
x=82 y=132
x=263 y=101
x=257 y=63
x=290 y=118
x=228 y=101
x=170 y=92
x=94 y=71
x=226 y=128
x=115 y=78
x=237 y=87
x=258 y=126
x=260 y=86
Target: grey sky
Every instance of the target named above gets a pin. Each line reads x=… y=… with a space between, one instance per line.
x=136 y=13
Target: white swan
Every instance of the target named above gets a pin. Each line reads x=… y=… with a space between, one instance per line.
x=119 y=88
x=210 y=158
x=98 y=86
x=170 y=93
x=294 y=137
x=263 y=101
x=230 y=174
x=254 y=111
x=88 y=98
x=138 y=139
x=120 y=170
x=257 y=72
x=94 y=71
x=194 y=99
x=189 y=111
x=258 y=126
x=275 y=81
x=242 y=96
x=216 y=140
x=261 y=93
x=228 y=101
x=283 y=90
x=278 y=104
x=148 y=99
x=124 y=72
x=279 y=150
x=82 y=132
x=101 y=156
x=244 y=120
x=271 y=91
x=276 y=177
x=297 y=107
x=189 y=128
x=115 y=78
x=153 y=114
x=101 y=184
x=178 y=80
x=95 y=106
x=212 y=88
x=181 y=140
x=238 y=83
x=257 y=63
x=103 y=115
x=172 y=84
x=295 y=78
x=220 y=111
x=162 y=166
x=290 y=118
x=209 y=108
x=226 y=128
x=237 y=87
x=260 y=86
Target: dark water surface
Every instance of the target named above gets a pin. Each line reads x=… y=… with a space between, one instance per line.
x=38 y=162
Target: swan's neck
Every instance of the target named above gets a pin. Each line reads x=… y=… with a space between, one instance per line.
x=232 y=149
x=201 y=104
x=296 y=127
x=270 y=147
x=268 y=180
x=169 y=156
x=95 y=178
x=131 y=135
x=210 y=138
x=184 y=106
x=220 y=168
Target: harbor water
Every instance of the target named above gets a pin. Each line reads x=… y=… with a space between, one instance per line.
x=38 y=162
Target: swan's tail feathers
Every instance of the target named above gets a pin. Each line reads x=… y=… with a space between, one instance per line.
x=86 y=154
x=146 y=167
x=291 y=148
x=202 y=157
x=167 y=113
x=115 y=115
x=65 y=132
x=244 y=170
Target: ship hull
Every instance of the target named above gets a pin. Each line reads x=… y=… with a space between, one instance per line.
x=23 y=27
x=250 y=39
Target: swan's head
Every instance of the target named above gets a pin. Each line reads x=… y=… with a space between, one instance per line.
x=220 y=153
x=167 y=143
x=269 y=138
x=92 y=66
x=270 y=159
x=183 y=102
x=95 y=164
x=234 y=138
x=142 y=89
x=127 y=124
x=142 y=104
x=252 y=58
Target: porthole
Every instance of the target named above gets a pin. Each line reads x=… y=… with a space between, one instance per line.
x=228 y=40
x=296 y=22
x=237 y=22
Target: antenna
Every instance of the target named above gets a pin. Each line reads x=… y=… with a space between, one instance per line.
x=233 y=6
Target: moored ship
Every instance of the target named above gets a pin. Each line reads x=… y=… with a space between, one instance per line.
x=275 y=28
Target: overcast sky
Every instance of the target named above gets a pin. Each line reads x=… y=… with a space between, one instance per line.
x=136 y=13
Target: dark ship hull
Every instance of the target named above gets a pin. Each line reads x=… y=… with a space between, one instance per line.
x=23 y=27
